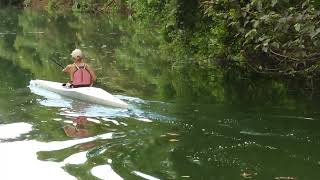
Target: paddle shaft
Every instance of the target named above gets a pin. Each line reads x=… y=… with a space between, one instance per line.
x=57 y=63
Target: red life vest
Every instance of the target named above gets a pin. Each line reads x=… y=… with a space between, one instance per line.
x=81 y=77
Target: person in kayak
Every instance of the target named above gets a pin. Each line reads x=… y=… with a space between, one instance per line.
x=81 y=74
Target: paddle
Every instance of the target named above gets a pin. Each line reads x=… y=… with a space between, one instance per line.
x=57 y=63
x=60 y=65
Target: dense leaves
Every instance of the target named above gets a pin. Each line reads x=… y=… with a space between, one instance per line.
x=277 y=36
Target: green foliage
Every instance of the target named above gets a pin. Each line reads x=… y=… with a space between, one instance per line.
x=268 y=37
x=56 y=6
x=87 y=5
x=84 y=6
x=278 y=36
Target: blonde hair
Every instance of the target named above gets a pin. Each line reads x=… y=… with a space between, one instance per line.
x=77 y=52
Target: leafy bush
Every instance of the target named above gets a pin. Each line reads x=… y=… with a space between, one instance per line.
x=278 y=37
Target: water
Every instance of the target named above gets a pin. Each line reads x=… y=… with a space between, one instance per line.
x=176 y=126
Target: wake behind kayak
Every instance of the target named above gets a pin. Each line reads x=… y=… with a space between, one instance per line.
x=87 y=94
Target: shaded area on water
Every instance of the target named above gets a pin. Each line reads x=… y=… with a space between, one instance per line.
x=202 y=126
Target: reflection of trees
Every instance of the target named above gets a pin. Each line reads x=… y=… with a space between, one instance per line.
x=42 y=37
x=39 y=40
x=12 y=77
x=128 y=56
x=98 y=36
x=145 y=66
x=13 y=81
x=8 y=29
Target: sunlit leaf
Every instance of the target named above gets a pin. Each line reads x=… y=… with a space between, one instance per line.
x=297 y=27
x=315 y=33
x=265 y=17
x=265 y=49
x=275 y=44
x=251 y=33
x=274 y=2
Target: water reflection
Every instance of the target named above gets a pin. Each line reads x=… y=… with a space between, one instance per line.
x=78 y=128
x=10 y=131
x=144 y=176
x=26 y=151
x=105 y=172
x=191 y=137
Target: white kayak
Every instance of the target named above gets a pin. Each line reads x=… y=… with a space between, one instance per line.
x=88 y=94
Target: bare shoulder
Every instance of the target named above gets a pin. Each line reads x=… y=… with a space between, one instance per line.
x=69 y=65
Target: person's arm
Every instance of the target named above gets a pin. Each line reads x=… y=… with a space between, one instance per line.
x=92 y=73
x=67 y=68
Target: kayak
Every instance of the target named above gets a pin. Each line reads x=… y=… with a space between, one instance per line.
x=89 y=94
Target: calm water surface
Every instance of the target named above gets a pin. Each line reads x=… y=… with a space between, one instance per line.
x=168 y=131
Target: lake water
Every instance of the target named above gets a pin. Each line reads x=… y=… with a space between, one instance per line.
x=177 y=126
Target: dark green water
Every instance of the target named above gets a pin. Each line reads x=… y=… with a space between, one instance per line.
x=177 y=126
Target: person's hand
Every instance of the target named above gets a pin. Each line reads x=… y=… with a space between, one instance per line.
x=66 y=69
